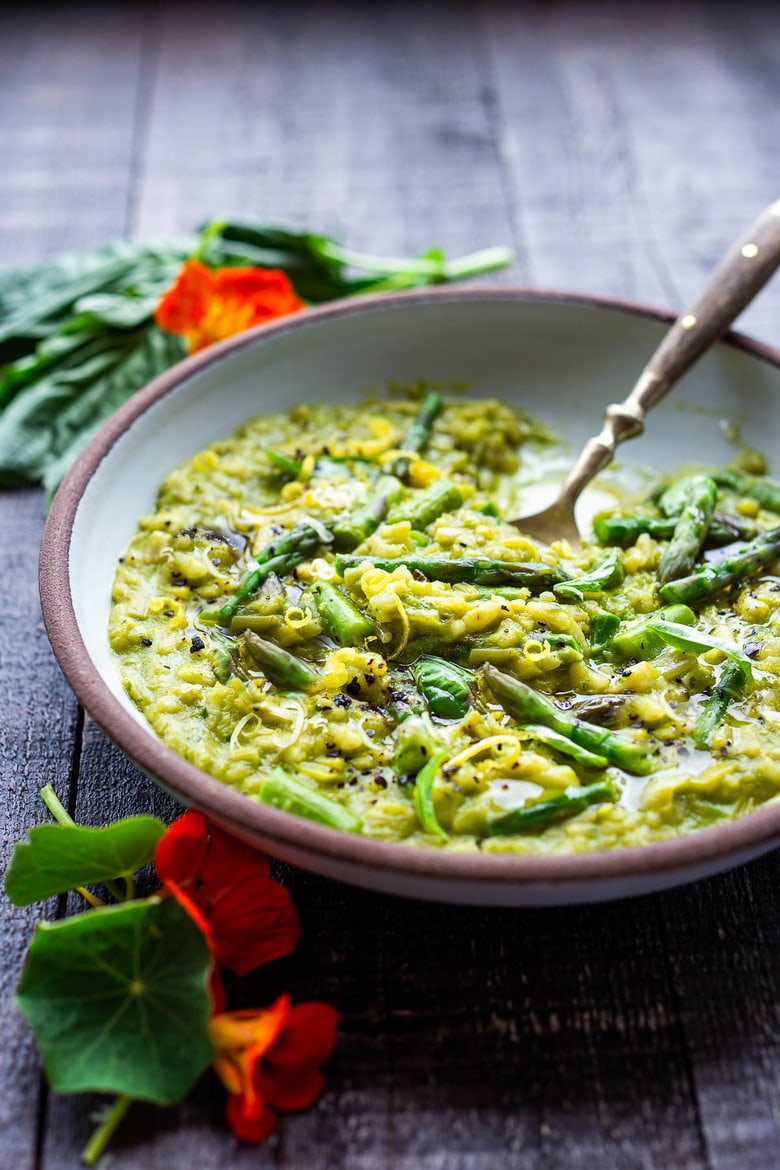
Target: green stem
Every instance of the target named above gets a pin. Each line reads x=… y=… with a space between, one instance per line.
x=105 y=1131
x=63 y=817
x=486 y=260
x=56 y=807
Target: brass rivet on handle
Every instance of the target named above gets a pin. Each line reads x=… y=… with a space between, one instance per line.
x=749 y=251
x=688 y=321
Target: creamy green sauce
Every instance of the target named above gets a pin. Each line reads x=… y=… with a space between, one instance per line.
x=349 y=740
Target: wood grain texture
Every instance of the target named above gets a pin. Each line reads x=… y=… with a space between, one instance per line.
x=628 y=1037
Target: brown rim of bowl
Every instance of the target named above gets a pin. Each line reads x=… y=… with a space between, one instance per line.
x=281 y=832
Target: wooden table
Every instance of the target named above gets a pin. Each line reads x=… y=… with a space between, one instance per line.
x=618 y=148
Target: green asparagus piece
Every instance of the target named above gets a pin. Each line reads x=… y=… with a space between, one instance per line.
x=710 y=578
x=564 y=745
x=532 y=818
x=626 y=530
x=358 y=524
x=285 y=463
x=638 y=639
x=223 y=659
x=699 y=495
x=445 y=687
x=416 y=438
x=281 y=791
x=608 y=573
x=726 y=691
x=283 y=669
x=340 y=616
x=765 y=492
x=280 y=556
x=489 y=509
x=422 y=509
x=478 y=570
x=414 y=745
x=529 y=707
x=603 y=627
x=423 y=796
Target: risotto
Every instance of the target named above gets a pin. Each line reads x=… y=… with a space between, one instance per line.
x=330 y=612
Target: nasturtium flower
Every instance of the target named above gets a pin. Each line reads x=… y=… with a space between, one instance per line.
x=227 y=887
x=268 y=1059
x=206 y=305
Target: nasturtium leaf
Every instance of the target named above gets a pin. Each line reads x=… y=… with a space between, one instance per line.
x=57 y=858
x=118 y=1001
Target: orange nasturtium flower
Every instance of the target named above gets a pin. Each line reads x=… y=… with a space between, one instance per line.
x=206 y=305
x=268 y=1059
x=247 y=917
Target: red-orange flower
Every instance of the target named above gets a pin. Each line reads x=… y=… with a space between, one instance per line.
x=248 y=918
x=206 y=306
x=268 y=1059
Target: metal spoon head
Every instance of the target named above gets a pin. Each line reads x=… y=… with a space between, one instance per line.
x=554 y=523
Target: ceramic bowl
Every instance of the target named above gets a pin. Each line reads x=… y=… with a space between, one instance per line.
x=563 y=358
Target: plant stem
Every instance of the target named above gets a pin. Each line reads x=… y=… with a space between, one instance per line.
x=63 y=817
x=485 y=260
x=105 y=1131
x=56 y=807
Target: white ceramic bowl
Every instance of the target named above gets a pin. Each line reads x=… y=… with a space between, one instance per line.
x=561 y=357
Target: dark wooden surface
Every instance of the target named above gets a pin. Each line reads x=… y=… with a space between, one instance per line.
x=618 y=147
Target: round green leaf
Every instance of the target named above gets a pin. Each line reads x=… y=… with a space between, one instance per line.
x=118 y=1000
x=57 y=858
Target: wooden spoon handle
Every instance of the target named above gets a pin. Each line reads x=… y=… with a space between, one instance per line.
x=742 y=273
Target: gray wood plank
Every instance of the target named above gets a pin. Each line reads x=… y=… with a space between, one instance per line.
x=68 y=89
x=37 y=739
x=69 y=81
x=365 y=122
x=723 y=947
x=638 y=140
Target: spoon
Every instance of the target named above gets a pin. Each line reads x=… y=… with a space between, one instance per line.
x=742 y=273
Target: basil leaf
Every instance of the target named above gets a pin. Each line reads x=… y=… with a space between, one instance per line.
x=444 y=686
x=57 y=858
x=118 y=1000
x=696 y=642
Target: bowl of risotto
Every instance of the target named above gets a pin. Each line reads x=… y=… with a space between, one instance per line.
x=286 y=580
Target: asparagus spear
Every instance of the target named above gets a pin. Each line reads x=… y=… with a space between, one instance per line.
x=280 y=790
x=477 y=570
x=340 y=616
x=280 y=556
x=698 y=494
x=765 y=492
x=564 y=745
x=626 y=530
x=358 y=524
x=731 y=685
x=416 y=438
x=445 y=687
x=528 y=707
x=285 y=463
x=603 y=627
x=533 y=817
x=414 y=745
x=608 y=573
x=422 y=509
x=708 y=579
x=283 y=669
x=423 y=796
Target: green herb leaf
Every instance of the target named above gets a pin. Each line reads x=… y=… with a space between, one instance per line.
x=444 y=686
x=118 y=1001
x=57 y=858
x=696 y=642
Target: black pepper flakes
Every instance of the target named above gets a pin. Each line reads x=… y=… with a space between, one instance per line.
x=197 y=644
x=146 y=641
